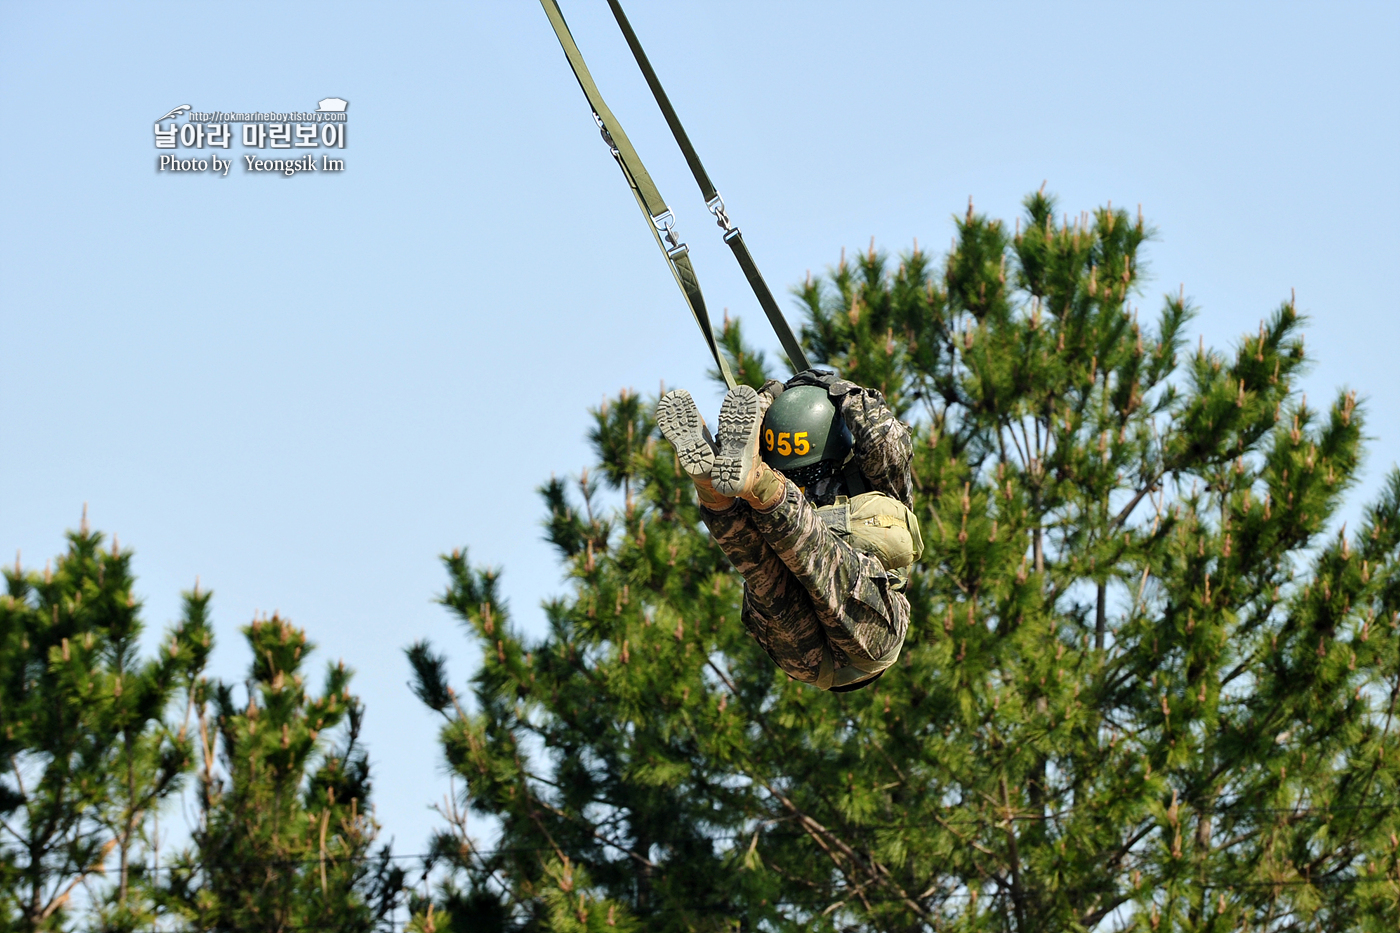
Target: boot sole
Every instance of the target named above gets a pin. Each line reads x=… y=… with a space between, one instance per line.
x=740 y=419
x=682 y=426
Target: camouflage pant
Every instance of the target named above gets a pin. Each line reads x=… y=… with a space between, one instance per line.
x=807 y=589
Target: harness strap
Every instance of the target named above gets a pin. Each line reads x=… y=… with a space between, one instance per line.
x=713 y=201
x=659 y=217
x=855 y=482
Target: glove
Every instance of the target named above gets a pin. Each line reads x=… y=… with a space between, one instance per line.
x=835 y=386
x=769 y=391
x=771 y=388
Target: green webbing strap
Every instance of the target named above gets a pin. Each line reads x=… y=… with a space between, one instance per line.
x=659 y=217
x=713 y=201
x=855 y=482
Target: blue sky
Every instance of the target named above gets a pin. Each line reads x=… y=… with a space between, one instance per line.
x=304 y=389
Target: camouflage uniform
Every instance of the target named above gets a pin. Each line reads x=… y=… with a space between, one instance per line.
x=807 y=588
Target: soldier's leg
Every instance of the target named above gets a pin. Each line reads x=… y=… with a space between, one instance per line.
x=864 y=618
x=777 y=610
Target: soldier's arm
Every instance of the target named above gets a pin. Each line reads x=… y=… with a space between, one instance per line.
x=883 y=447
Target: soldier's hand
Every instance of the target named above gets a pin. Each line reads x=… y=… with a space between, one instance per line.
x=835 y=386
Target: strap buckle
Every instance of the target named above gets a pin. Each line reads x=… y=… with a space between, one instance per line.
x=666 y=226
x=716 y=206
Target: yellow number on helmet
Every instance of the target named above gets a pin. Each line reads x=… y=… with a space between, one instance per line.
x=784 y=446
x=800 y=444
x=768 y=438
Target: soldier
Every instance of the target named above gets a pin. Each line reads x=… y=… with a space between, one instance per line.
x=808 y=493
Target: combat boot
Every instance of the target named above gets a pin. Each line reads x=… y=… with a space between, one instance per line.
x=738 y=468
x=681 y=424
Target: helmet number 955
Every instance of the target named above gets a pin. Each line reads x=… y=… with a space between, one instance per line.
x=787 y=443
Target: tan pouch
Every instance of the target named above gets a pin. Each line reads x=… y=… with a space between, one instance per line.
x=877 y=524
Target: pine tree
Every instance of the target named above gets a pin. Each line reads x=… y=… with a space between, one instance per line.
x=1147 y=682
x=87 y=752
x=286 y=830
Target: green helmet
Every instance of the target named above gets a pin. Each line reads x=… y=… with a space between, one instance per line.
x=804 y=436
